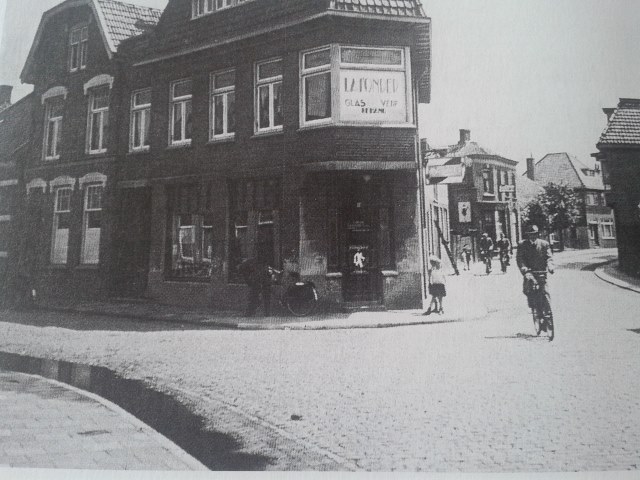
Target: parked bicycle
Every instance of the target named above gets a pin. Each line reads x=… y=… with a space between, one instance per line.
x=540 y=307
x=298 y=297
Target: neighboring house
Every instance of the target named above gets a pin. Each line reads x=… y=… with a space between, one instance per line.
x=482 y=192
x=619 y=155
x=15 y=129
x=280 y=129
x=71 y=158
x=595 y=227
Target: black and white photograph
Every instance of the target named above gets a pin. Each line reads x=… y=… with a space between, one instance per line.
x=319 y=238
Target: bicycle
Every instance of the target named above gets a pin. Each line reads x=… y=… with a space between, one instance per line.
x=486 y=259
x=540 y=307
x=299 y=298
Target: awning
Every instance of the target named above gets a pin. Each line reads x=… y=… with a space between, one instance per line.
x=358 y=165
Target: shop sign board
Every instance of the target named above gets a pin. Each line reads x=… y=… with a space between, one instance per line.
x=507 y=188
x=464 y=212
x=373 y=97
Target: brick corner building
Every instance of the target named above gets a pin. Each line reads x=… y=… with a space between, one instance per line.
x=619 y=154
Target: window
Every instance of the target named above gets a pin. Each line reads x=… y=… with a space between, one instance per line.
x=181 y=113
x=254 y=221
x=608 y=230
x=53 y=128
x=92 y=224
x=269 y=96
x=98 y=120
x=592 y=199
x=190 y=254
x=140 y=120
x=223 y=102
x=487 y=181
x=316 y=86
x=205 y=7
x=78 y=48
x=61 y=223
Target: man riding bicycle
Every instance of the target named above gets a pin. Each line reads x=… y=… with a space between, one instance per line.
x=505 y=251
x=534 y=257
x=486 y=250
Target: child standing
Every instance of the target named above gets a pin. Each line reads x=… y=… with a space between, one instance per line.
x=437 y=288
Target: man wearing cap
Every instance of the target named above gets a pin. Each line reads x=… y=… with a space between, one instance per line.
x=534 y=255
x=486 y=250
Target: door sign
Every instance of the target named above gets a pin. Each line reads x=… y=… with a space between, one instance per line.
x=359 y=259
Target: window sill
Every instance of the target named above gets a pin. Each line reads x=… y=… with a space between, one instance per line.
x=178 y=146
x=222 y=139
x=304 y=128
x=197 y=281
x=88 y=266
x=268 y=133
x=389 y=273
x=334 y=275
x=138 y=152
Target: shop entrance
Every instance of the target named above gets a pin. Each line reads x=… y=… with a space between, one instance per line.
x=361 y=273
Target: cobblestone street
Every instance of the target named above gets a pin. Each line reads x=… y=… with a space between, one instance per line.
x=477 y=396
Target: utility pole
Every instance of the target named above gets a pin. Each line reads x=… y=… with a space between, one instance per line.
x=424 y=254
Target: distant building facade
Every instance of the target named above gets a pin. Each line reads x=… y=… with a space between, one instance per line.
x=482 y=192
x=619 y=155
x=595 y=227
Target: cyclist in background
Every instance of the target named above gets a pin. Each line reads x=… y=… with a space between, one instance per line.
x=505 y=250
x=486 y=250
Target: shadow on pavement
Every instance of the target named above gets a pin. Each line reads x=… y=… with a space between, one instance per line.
x=518 y=336
x=163 y=413
x=635 y=330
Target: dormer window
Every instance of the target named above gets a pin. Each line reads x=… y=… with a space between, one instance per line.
x=205 y=7
x=78 y=48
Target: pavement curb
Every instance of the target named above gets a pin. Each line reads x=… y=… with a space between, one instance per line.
x=604 y=276
x=128 y=417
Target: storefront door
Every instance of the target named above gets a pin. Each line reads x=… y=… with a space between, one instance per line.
x=362 y=277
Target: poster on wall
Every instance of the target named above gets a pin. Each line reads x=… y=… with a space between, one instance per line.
x=377 y=97
x=464 y=212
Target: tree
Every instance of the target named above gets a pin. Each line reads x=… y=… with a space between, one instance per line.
x=555 y=209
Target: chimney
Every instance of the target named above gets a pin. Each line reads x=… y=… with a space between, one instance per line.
x=531 y=169
x=5 y=94
x=465 y=136
x=608 y=112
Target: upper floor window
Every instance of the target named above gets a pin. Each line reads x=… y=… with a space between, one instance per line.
x=78 y=48
x=140 y=120
x=355 y=86
x=98 y=120
x=316 y=86
x=54 y=108
x=181 y=110
x=269 y=96
x=487 y=181
x=592 y=199
x=223 y=100
x=204 y=7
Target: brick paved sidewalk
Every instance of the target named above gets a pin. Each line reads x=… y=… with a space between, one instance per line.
x=47 y=424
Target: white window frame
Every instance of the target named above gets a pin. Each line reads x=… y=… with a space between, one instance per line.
x=200 y=8
x=223 y=92
x=144 y=111
x=608 y=224
x=56 y=124
x=59 y=254
x=87 y=258
x=101 y=113
x=311 y=72
x=182 y=100
x=270 y=83
x=591 y=199
x=78 y=48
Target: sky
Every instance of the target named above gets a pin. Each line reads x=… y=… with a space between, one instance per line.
x=527 y=77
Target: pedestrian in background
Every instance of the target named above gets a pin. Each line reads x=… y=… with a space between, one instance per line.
x=257 y=275
x=466 y=256
x=437 y=288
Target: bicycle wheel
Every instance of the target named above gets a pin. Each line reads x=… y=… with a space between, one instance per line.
x=550 y=327
x=301 y=300
x=536 y=320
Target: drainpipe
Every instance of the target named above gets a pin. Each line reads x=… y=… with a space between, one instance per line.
x=421 y=202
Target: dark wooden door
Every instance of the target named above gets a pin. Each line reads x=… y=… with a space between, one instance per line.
x=132 y=240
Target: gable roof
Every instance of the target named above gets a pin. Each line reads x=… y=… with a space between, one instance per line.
x=116 y=21
x=469 y=149
x=623 y=127
x=567 y=169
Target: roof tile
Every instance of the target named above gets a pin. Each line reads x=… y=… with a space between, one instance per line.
x=624 y=125
x=125 y=20
x=401 y=8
